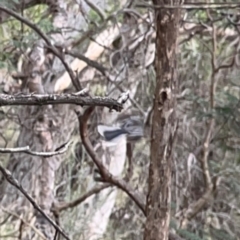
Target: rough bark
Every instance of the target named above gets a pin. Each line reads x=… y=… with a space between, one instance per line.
x=163 y=123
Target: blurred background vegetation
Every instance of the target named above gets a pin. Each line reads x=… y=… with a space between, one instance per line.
x=209 y=43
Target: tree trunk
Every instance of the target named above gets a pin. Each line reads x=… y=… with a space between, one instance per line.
x=43 y=128
x=163 y=123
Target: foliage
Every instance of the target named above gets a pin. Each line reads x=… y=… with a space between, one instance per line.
x=75 y=175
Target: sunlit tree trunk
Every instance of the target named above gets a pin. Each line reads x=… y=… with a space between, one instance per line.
x=163 y=123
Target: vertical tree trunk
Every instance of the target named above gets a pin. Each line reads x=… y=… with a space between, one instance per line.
x=43 y=128
x=163 y=123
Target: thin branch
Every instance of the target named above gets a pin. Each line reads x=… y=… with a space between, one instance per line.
x=48 y=42
x=199 y=6
x=24 y=221
x=95 y=190
x=194 y=208
x=45 y=99
x=27 y=22
x=104 y=72
x=97 y=9
x=89 y=62
x=105 y=174
x=56 y=235
x=8 y=175
x=27 y=150
x=224 y=66
x=211 y=124
x=187 y=214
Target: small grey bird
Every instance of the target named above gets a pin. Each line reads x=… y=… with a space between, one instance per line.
x=111 y=134
x=131 y=128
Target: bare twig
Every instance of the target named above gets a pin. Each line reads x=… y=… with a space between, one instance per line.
x=130 y=162
x=74 y=203
x=200 y=6
x=91 y=63
x=27 y=150
x=197 y=206
x=8 y=175
x=56 y=235
x=105 y=174
x=103 y=71
x=45 y=99
x=207 y=140
x=83 y=92
x=24 y=221
x=194 y=208
x=97 y=9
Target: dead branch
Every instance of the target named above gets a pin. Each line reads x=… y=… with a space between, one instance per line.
x=105 y=174
x=27 y=150
x=45 y=99
x=63 y=206
x=8 y=175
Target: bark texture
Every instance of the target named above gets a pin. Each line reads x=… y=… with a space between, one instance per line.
x=163 y=123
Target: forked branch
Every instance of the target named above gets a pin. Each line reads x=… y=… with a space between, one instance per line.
x=8 y=175
x=45 y=99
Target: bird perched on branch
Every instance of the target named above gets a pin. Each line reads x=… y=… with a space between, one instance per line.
x=130 y=128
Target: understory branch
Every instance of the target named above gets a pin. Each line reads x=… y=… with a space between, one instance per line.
x=9 y=177
x=45 y=99
x=60 y=150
